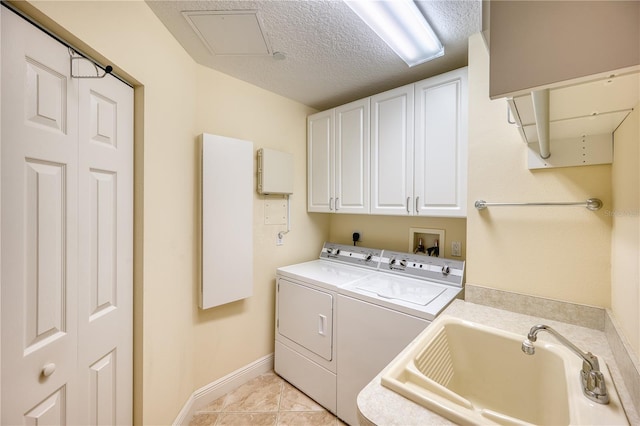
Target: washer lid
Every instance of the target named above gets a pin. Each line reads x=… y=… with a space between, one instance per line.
x=417 y=293
x=417 y=297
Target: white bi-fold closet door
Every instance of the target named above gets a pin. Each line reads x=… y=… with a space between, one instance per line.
x=67 y=231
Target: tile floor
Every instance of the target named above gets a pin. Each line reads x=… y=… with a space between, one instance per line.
x=265 y=400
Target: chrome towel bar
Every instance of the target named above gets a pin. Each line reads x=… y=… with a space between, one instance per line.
x=592 y=204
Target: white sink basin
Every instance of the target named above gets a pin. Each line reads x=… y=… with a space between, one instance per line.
x=474 y=374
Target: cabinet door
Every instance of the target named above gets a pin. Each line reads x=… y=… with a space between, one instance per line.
x=352 y=157
x=320 y=162
x=392 y=151
x=441 y=145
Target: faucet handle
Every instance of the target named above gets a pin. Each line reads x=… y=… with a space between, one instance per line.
x=594 y=386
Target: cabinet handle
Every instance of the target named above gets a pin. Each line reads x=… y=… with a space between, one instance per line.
x=331 y=203
x=417 y=204
x=408 y=199
x=336 y=206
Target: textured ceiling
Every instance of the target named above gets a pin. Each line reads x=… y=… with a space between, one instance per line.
x=332 y=57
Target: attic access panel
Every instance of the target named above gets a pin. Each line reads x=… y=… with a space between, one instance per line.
x=230 y=32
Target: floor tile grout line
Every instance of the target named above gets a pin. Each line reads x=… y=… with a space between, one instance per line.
x=280 y=401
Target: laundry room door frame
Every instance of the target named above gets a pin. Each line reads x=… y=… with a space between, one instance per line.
x=107 y=182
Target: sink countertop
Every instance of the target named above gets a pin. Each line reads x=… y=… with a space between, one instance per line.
x=378 y=405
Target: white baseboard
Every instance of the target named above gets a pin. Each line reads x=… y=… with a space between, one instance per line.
x=222 y=386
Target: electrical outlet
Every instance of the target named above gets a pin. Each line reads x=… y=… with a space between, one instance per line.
x=456 y=249
x=279 y=239
x=356 y=236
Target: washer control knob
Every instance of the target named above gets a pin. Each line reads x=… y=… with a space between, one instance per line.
x=337 y=252
x=368 y=257
x=445 y=270
x=392 y=261
x=403 y=263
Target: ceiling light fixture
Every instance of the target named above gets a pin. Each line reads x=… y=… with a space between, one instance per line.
x=402 y=26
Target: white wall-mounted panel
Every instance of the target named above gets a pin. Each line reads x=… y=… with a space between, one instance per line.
x=275 y=172
x=227 y=220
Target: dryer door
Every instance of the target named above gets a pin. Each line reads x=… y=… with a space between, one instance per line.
x=305 y=316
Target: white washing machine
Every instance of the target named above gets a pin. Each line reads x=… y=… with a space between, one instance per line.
x=305 y=346
x=341 y=319
x=380 y=314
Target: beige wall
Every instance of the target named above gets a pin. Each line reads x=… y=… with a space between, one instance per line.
x=555 y=252
x=625 y=239
x=234 y=335
x=179 y=348
x=392 y=232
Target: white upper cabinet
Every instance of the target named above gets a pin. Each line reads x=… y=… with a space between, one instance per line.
x=417 y=164
x=392 y=151
x=338 y=151
x=440 y=148
x=320 y=165
x=352 y=157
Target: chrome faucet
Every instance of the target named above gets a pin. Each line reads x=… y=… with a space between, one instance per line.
x=593 y=385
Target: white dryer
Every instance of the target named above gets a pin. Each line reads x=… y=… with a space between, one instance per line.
x=305 y=344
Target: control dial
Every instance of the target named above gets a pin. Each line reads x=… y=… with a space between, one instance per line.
x=333 y=251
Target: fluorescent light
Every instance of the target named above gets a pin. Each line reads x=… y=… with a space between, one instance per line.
x=402 y=26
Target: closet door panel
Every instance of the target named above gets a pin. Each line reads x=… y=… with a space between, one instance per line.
x=39 y=235
x=105 y=298
x=67 y=225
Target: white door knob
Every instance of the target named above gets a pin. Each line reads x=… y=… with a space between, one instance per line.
x=48 y=369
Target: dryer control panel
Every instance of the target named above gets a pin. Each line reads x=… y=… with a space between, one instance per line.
x=351 y=255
